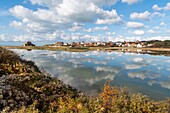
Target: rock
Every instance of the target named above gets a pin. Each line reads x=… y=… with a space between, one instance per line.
x=10 y=101
x=8 y=88
x=17 y=98
x=10 y=93
x=11 y=105
x=27 y=78
x=23 y=94
x=2 y=72
x=26 y=97
x=0 y=91
x=3 y=102
x=1 y=96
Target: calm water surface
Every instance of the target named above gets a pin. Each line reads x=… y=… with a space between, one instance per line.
x=88 y=71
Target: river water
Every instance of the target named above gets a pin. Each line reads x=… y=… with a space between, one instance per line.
x=88 y=71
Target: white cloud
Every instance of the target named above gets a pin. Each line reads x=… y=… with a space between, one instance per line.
x=151 y=82
x=86 y=11
x=146 y=15
x=107 y=69
x=140 y=75
x=165 y=84
x=138 y=59
x=76 y=27
x=153 y=31
x=163 y=24
x=157 y=38
x=108 y=21
x=11 y=37
x=130 y=1
x=21 y=12
x=137 y=32
x=53 y=3
x=16 y=24
x=135 y=25
x=157 y=14
x=62 y=14
x=157 y=8
x=105 y=28
x=141 y=16
x=110 y=33
x=167 y=7
x=100 y=78
x=133 y=66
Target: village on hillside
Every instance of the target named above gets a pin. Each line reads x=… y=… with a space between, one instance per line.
x=136 y=44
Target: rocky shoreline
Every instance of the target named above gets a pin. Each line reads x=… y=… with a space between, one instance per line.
x=24 y=88
x=22 y=83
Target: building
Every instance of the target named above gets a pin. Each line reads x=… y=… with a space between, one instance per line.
x=28 y=43
x=59 y=43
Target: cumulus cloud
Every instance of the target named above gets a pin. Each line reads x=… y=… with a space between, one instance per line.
x=62 y=14
x=135 y=25
x=110 y=33
x=137 y=32
x=76 y=27
x=162 y=38
x=153 y=31
x=105 y=28
x=107 y=69
x=165 y=84
x=145 y=15
x=9 y=37
x=151 y=82
x=130 y=1
x=108 y=21
x=157 y=14
x=141 y=16
x=140 y=75
x=53 y=3
x=133 y=66
x=163 y=24
x=100 y=78
x=138 y=59
x=157 y=8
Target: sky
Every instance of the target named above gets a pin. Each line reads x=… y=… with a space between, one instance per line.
x=84 y=20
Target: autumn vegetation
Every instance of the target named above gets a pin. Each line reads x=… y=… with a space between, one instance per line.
x=26 y=89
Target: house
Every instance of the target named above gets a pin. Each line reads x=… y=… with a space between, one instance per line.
x=65 y=44
x=59 y=43
x=139 y=45
x=119 y=43
x=72 y=44
x=133 y=44
x=28 y=43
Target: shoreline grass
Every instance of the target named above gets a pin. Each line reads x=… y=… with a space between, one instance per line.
x=151 y=51
x=82 y=48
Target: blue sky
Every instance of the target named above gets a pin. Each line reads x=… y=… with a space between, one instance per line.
x=84 y=20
